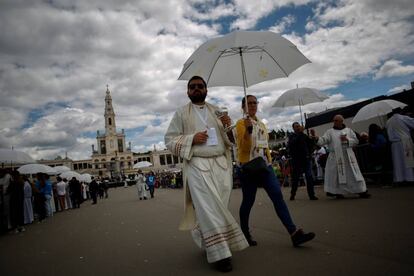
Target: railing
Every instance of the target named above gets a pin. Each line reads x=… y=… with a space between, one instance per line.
x=375 y=164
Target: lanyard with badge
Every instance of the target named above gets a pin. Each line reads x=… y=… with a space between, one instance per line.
x=211 y=132
x=261 y=139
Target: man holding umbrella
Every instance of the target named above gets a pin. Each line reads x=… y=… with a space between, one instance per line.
x=197 y=135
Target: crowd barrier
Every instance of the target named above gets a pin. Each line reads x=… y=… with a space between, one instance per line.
x=375 y=165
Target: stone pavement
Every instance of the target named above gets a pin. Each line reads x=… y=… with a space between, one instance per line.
x=124 y=236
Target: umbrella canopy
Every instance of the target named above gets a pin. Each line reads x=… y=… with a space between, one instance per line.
x=243 y=58
x=15 y=157
x=299 y=97
x=61 y=169
x=36 y=168
x=376 y=109
x=142 y=164
x=70 y=174
x=86 y=177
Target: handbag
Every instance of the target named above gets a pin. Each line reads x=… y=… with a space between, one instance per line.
x=256 y=166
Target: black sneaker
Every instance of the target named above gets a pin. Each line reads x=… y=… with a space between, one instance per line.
x=292 y=197
x=224 y=265
x=364 y=195
x=251 y=241
x=313 y=198
x=300 y=237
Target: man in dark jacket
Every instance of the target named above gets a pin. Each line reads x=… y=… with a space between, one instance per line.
x=75 y=192
x=300 y=150
x=93 y=189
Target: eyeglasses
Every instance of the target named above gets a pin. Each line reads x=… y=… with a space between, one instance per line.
x=198 y=85
x=252 y=103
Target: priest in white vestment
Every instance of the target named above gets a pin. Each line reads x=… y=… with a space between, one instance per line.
x=197 y=135
x=342 y=173
x=141 y=185
x=402 y=147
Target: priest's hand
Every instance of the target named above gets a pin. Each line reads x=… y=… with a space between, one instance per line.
x=225 y=120
x=344 y=138
x=313 y=134
x=200 y=138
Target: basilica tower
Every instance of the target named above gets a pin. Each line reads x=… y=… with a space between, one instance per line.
x=110 y=126
x=112 y=157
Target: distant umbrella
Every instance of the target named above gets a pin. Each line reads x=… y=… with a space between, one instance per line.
x=86 y=177
x=11 y=156
x=142 y=164
x=376 y=110
x=70 y=174
x=300 y=97
x=61 y=169
x=36 y=168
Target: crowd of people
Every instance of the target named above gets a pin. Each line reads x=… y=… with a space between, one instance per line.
x=384 y=153
x=26 y=200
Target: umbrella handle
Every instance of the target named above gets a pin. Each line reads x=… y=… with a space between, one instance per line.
x=246 y=110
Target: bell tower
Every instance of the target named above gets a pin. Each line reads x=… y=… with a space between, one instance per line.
x=110 y=127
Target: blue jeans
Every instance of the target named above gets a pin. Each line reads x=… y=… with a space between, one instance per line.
x=271 y=184
x=297 y=170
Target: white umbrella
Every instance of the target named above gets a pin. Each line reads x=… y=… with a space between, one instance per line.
x=376 y=110
x=86 y=177
x=61 y=169
x=70 y=174
x=36 y=168
x=300 y=96
x=142 y=164
x=15 y=157
x=243 y=58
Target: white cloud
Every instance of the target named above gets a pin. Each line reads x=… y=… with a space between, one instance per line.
x=284 y=23
x=250 y=12
x=393 y=68
x=398 y=89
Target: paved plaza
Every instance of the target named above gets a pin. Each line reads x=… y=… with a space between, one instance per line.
x=124 y=236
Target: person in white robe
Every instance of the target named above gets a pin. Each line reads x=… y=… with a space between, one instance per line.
x=141 y=186
x=84 y=191
x=316 y=155
x=342 y=173
x=68 y=202
x=197 y=135
x=402 y=147
x=27 y=203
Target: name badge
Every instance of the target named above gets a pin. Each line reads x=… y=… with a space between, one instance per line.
x=212 y=137
x=262 y=144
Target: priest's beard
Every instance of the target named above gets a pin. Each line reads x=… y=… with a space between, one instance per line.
x=197 y=97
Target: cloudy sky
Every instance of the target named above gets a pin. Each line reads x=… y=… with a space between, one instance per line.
x=57 y=56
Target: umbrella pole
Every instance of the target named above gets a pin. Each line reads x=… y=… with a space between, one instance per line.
x=300 y=110
x=244 y=80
